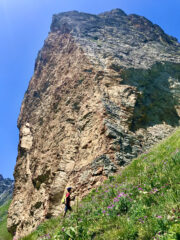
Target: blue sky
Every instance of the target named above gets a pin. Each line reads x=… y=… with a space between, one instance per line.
x=24 y=25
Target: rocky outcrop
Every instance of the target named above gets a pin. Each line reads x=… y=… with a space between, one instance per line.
x=6 y=189
x=105 y=88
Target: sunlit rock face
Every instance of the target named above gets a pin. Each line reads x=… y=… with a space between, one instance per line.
x=105 y=89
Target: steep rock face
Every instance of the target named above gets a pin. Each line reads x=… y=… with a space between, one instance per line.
x=105 y=88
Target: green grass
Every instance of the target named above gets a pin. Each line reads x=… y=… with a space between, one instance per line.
x=4 y=235
x=143 y=202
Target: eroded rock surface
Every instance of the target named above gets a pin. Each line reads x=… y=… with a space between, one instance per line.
x=105 y=88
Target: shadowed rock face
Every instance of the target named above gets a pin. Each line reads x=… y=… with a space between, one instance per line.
x=105 y=88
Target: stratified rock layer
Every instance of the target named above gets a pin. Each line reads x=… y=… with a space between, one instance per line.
x=105 y=88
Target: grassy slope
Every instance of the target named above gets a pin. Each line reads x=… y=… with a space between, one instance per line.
x=4 y=235
x=141 y=203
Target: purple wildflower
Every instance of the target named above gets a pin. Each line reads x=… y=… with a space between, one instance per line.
x=140 y=220
x=116 y=199
x=121 y=194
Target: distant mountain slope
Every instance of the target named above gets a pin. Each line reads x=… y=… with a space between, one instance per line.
x=6 y=189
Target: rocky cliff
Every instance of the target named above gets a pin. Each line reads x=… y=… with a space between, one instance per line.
x=6 y=189
x=105 y=88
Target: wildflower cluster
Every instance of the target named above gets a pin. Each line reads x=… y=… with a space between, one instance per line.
x=45 y=237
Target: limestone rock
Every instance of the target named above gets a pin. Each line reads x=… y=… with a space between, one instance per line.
x=105 y=88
